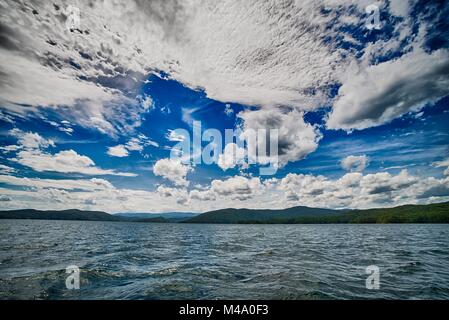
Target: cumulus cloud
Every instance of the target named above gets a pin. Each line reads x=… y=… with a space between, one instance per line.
x=434 y=188
x=354 y=163
x=296 y=138
x=67 y=161
x=298 y=186
x=238 y=187
x=173 y=170
x=353 y=190
x=180 y=195
x=226 y=47
x=232 y=156
x=41 y=86
x=251 y=52
x=283 y=57
x=30 y=140
x=31 y=153
x=76 y=72
x=384 y=182
x=134 y=145
x=379 y=93
x=118 y=151
x=207 y=195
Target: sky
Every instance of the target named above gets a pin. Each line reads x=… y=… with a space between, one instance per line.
x=91 y=110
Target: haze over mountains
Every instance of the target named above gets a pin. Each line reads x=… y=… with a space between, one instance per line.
x=432 y=213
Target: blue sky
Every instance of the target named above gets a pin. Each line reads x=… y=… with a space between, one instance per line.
x=85 y=118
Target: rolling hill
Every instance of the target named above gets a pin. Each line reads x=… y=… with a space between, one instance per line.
x=432 y=213
x=167 y=216
x=260 y=216
x=72 y=214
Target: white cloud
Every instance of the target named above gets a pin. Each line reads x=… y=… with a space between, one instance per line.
x=238 y=187
x=251 y=52
x=443 y=164
x=384 y=182
x=147 y=102
x=6 y=169
x=226 y=47
x=173 y=136
x=296 y=138
x=261 y=53
x=434 y=189
x=350 y=180
x=228 y=110
x=64 y=184
x=67 y=161
x=10 y=148
x=134 y=144
x=30 y=140
x=296 y=187
x=232 y=156
x=143 y=140
x=43 y=86
x=172 y=170
x=4 y=198
x=354 y=163
x=63 y=126
x=32 y=155
x=352 y=190
x=118 y=151
x=69 y=131
x=400 y=8
x=180 y=195
x=207 y=195
x=377 y=94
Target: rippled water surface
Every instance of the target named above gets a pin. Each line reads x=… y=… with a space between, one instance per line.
x=186 y=261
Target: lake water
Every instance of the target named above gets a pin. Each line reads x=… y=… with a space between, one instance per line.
x=186 y=261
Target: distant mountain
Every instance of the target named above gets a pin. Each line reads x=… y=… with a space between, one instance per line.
x=72 y=214
x=173 y=216
x=259 y=216
x=432 y=213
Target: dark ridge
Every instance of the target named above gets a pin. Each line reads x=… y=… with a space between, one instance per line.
x=432 y=213
x=72 y=214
